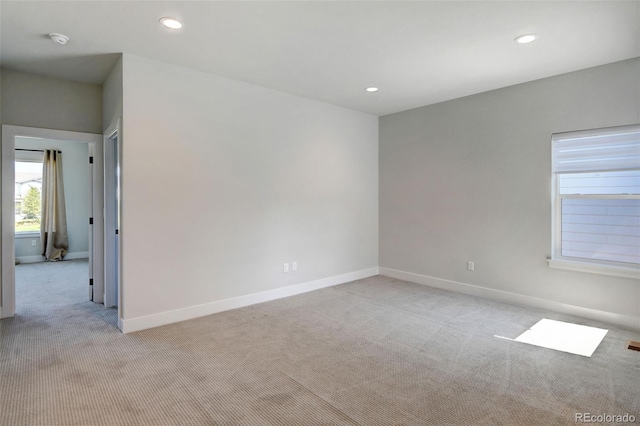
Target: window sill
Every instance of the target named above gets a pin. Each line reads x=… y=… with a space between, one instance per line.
x=616 y=271
x=34 y=234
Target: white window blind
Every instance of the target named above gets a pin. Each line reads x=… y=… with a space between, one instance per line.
x=593 y=151
x=597 y=195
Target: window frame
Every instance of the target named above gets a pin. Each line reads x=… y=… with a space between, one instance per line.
x=27 y=156
x=557 y=260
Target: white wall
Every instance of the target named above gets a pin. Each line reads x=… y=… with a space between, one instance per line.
x=469 y=179
x=281 y=178
x=35 y=101
x=75 y=172
x=112 y=96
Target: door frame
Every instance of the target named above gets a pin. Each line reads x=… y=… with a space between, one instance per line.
x=9 y=133
x=112 y=214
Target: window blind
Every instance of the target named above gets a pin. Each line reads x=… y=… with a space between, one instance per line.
x=593 y=151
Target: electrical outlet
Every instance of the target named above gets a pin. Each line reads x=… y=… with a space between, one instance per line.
x=34 y=243
x=294 y=266
x=285 y=268
x=471 y=266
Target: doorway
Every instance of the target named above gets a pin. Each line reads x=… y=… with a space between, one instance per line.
x=42 y=285
x=94 y=222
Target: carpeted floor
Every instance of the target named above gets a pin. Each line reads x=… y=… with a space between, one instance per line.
x=372 y=352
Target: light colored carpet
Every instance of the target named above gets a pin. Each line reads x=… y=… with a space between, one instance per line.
x=372 y=352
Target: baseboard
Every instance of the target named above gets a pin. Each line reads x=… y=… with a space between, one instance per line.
x=626 y=321
x=30 y=259
x=77 y=255
x=169 y=317
x=68 y=256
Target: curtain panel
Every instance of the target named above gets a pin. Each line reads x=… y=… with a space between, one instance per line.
x=53 y=225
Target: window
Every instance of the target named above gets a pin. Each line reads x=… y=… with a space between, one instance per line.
x=28 y=191
x=596 y=187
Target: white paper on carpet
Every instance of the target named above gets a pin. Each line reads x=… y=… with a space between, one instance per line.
x=563 y=336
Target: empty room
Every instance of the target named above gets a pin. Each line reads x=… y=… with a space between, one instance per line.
x=320 y=212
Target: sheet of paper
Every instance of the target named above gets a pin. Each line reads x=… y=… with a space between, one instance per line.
x=563 y=336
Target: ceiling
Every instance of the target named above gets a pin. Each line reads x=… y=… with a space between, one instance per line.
x=417 y=53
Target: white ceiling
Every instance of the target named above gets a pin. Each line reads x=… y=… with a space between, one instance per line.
x=417 y=53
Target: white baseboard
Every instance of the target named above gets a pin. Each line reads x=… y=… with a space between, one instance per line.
x=68 y=256
x=169 y=317
x=30 y=259
x=626 y=321
x=77 y=255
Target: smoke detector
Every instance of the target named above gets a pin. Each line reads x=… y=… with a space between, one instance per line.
x=59 y=38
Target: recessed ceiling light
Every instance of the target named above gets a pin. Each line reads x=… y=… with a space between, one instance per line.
x=526 y=38
x=371 y=89
x=59 y=38
x=171 y=23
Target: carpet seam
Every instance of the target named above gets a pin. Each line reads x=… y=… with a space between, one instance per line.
x=321 y=398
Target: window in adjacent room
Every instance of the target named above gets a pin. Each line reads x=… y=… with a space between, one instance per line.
x=28 y=191
x=596 y=198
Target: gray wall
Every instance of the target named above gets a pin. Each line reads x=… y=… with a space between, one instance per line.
x=75 y=172
x=469 y=179
x=35 y=101
x=277 y=178
x=112 y=96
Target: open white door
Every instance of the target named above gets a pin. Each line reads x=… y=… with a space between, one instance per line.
x=96 y=240
x=91 y=214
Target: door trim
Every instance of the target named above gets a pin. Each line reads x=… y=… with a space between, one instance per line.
x=9 y=133
x=112 y=214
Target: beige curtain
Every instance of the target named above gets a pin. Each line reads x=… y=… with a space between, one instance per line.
x=53 y=225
